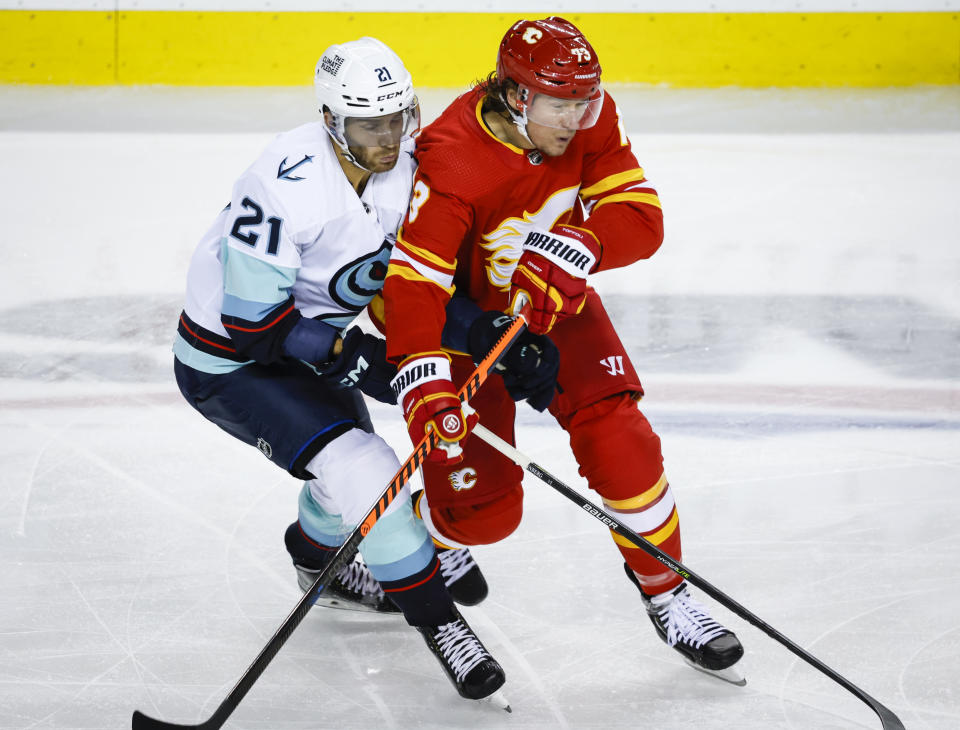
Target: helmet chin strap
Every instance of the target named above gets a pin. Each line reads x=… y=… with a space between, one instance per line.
x=336 y=133
x=519 y=120
x=352 y=159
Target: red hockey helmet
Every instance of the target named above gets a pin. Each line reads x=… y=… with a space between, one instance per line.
x=552 y=57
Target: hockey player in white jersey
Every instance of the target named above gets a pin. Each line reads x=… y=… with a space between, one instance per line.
x=265 y=348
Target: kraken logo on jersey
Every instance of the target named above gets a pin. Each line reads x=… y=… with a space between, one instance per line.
x=505 y=242
x=463 y=479
x=355 y=284
x=284 y=173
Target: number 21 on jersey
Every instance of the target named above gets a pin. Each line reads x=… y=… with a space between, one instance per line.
x=252 y=221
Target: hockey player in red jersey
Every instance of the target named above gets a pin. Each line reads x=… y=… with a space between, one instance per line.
x=526 y=185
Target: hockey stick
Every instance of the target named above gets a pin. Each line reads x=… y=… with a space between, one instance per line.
x=888 y=720
x=343 y=555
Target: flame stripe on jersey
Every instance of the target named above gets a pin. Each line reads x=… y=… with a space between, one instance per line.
x=407 y=267
x=648 y=198
x=630 y=186
x=422 y=255
x=613 y=181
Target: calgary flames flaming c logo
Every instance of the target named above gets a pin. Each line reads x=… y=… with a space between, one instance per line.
x=463 y=479
x=505 y=242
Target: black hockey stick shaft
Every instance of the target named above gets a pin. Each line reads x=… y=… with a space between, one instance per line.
x=888 y=720
x=344 y=554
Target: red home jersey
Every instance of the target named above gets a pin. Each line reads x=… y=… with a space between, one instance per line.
x=475 y=199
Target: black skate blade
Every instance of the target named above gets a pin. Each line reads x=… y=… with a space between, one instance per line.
x=342 y=605
x=730 y=675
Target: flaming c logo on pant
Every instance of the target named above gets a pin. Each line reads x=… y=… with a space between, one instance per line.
x=463 y=479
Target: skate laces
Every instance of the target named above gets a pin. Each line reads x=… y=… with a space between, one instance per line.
x=356 y=578
x=686 y=620
x=454 y=564
x=462 y=649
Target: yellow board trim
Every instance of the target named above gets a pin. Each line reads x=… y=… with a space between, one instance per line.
x=58 y=47
x=613 y=181
x=203 y=48
x=642 y=499
x=655 y=538
x=648 y=198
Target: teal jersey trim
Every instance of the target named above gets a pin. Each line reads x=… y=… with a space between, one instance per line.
x=251 y=279
x=245 y=309
x=205 y=363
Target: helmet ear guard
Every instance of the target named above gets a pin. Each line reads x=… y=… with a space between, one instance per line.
x=334 y=124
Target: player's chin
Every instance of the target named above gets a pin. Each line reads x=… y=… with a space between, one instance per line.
x=382 y=159
x=557 y=145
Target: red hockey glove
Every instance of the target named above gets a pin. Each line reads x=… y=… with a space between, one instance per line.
x=429 y=401
x=552 y=274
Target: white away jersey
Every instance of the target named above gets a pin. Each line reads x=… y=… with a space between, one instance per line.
x=294 y=227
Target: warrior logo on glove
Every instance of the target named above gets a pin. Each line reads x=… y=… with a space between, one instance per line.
x=579 y=258
x=552 y=274
x=430 y=403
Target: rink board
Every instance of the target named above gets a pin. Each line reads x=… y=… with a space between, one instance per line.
x=451 y=49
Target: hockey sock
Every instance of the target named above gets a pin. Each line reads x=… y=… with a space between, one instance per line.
x=423 y=596
x=620 y=456
x=304 y=551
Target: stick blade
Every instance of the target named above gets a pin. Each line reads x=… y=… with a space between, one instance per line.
x=887 y=718
x=145 y=722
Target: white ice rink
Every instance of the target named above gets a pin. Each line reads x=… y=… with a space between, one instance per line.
x=798 y=336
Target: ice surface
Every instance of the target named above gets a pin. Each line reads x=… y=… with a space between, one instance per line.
x=798 y=337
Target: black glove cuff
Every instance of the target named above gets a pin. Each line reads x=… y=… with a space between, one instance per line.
x=485 y=331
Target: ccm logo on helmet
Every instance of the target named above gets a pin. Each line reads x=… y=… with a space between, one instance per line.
x=393 y=95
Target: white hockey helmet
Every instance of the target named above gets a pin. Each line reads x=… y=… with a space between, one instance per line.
x=365 y=79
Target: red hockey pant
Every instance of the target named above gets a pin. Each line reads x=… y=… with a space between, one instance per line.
x=480 y=500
